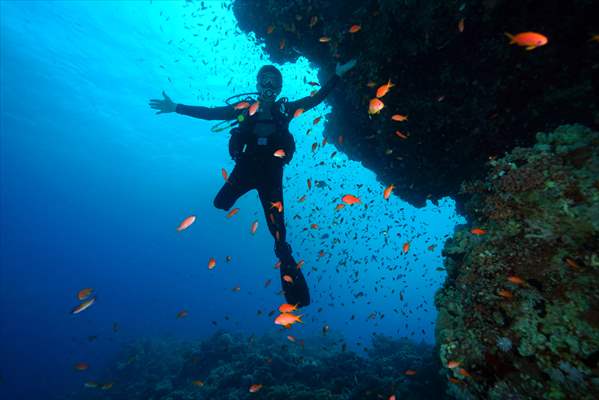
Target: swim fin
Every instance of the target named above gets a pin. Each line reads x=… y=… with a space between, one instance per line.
x=293 y=282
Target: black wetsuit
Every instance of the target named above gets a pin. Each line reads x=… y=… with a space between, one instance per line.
x=257 y=168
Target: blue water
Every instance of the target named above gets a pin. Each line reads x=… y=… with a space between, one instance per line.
x=94 y=184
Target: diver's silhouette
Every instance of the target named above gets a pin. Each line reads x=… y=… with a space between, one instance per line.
x=252 y=145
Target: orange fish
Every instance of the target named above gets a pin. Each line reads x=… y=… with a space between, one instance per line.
x=314 y=147
x=339 y=207
x=84 y=293
x=282 y=44
x=211 y=263
x=186 y=223
x=301 y=199
x=387 y=191
x=255 y=387
x=410 y=372
x=463 y=372
x=340 y=139
x=401 y=135
x=324 y=141
x=182 y=314
x=287 y=308
x=232 y=212
x=384 y=89
x=324 y=39
x=254 y=108
x=399 y=117
x=83 y=306
x=571 y=263
x=300 y=264
x=375 y=106
x=594 y=38
x=81 y=366
x=309 y=183
x=254 y=227
x=223 y=172
x=392 y=397
x=530 y=40
x=406 y=247
x=350 y=199
x=287 y=319
x=279 y=153
x=270 y=29
x=354 y=28
x=478 y=231
x=461 y=25
x=288 y=278
x=316 y=120
x=242 y=105
x=198 y=383
x=277 y=204
x=516 y=280
x=505 y=294
x=453 y=364
x=298 y=112
x=291 y=338
x=314 y=226
x=455 y=381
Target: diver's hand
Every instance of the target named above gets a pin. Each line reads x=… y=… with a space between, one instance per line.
x=343 y=68
x=163 y=106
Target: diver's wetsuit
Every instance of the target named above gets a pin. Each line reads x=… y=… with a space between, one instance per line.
x=257 y=168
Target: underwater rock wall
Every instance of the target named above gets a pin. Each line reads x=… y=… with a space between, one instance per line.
x=519 y=311
x=468 y=94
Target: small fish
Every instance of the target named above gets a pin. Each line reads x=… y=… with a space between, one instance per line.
x=399 y=117
x=410 y=372
x=354 y=28
x=516 y=280
x=324 y=39
x=277 y=204
x=505 y=294
x=83 y=306
x=228 y=259
x=232 y=212
x=211 y=263
x=313 y=21
x=316 y=120
x=287 y=319
x=267 y=283
x=270 y=29
x=453 y=364
x=314 y=226
x=254 y=108
x=81 y=366
x=312 y=83
x=530 y=40
x=279 y=153
x=350 y=199
x=107 y=386
x=298 y=112
x=309 y=183
x=198 y=383
x=182 y=314
x=288 y=278
x=255 y=387
x=478 y=231
x=461 y=25
x=287 y=308
x=371 y=84
x=387 y=191
x=571 y=263
x=300 y=264
x=314 y=147
x=90 y=384
x=401 y=135
x=463 y=372
x=325 y=329
x=186 y=223
x=392 y=397
x=375 y=106
x=339 y=207
x=84 y=293
x=340 y=139
x=282 y=44
x=291 y=338
x=406 y=247
x=594 y=38
x=223 y=172
x=254 y=227
x=236 y=289
x=301 y=199
x=242 y=105
x=384 y=89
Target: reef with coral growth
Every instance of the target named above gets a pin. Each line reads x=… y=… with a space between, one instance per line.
x=225 y=365
x=519 y=308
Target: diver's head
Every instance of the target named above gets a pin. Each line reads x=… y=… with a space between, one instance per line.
x=269 y=82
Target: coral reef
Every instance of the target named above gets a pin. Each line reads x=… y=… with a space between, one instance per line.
x=519 y=307
x=469 y=94
x=225 y=365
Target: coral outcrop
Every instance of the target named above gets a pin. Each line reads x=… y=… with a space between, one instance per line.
x=519 y=308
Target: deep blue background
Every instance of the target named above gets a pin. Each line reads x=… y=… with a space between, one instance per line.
x=94 y=185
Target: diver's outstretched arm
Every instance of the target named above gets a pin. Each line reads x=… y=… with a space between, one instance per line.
x=211 y=113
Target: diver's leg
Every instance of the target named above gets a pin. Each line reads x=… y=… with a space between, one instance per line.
x=238 y=183
x=271 y=191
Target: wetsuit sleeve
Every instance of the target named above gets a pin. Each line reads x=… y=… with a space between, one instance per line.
x=309 y=102
x=212 y=113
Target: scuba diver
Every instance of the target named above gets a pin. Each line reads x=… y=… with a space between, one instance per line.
x=261 y=145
